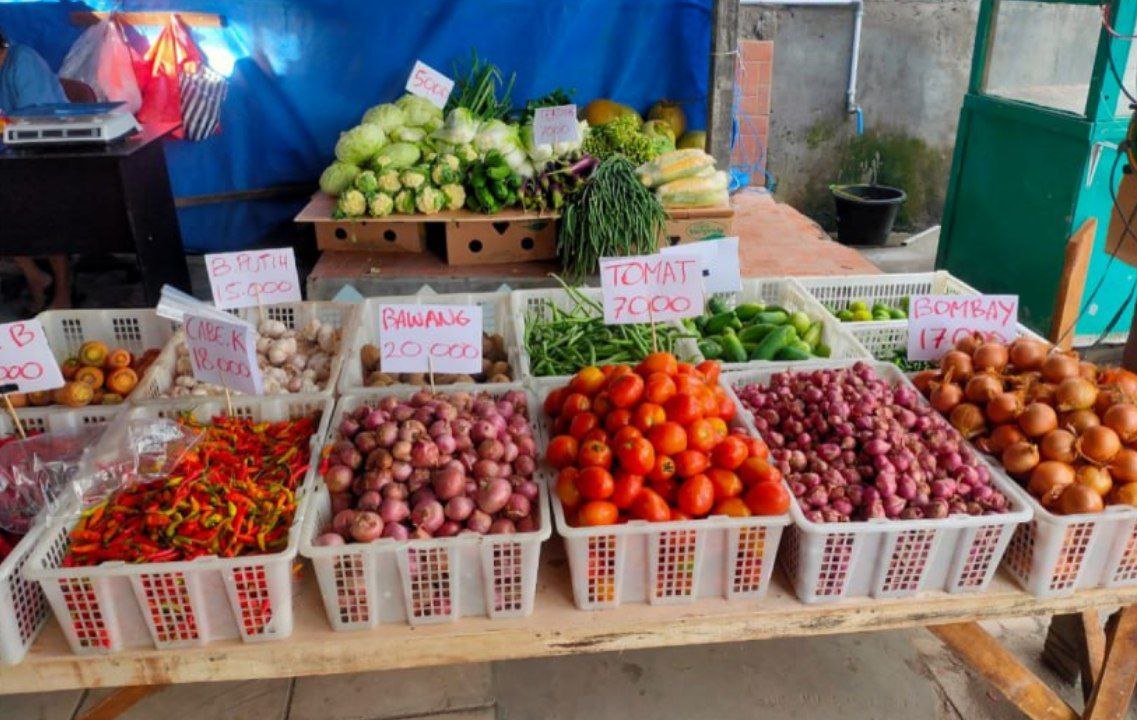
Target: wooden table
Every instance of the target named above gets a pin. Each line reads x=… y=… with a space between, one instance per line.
x=556 y=627
x=113 y=198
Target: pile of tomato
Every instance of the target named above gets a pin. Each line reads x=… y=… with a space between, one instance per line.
x=653 y=442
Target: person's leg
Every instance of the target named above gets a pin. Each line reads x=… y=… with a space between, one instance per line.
x=61 y=270
x=36 y=278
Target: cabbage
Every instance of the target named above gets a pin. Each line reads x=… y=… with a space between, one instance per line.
x=387 y=116
x=539 y=154
x=495 y=135
x=360 y=144
x=381 y=205
x=429 y=200
x=455 y=196
x=388 y=181
x=397 y=156
x=351 y=204
x=366 y=182
x=408 y=134
x=460 y=128
x=405 y=201
x=419 y=111
x=338 y=177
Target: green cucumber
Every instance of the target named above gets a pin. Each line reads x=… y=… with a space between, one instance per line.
x=717 y=305
x=710 y=349
x=771 y=317
x=732 y=349
x=747 y=311
x=720 y=322
x=773 y=342
x=801 y=322
x=755 y=333
x=812 y=336
x=791 y=352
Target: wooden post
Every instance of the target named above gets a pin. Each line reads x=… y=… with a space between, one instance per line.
x=1072 y=284
x=1114 y=689
x=118 y=702
x=720 y=88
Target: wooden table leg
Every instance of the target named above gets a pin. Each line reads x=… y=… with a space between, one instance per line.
x=1114 y=689
x=119 y=702
x=983 y=653
x=1092 y=657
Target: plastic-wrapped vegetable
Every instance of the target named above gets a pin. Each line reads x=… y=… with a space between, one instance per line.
x=381 y=205
x=419 y=112
x=673 y=166
x=397 y=156
x=360 y=144
x=455 y=196
x=387 y=116
x=405 y=201
x=699 y=191
x=351 y=203
x=460 y=127
x=388 y=181
x=366 y=182
x=429 y=200
x=338 y=177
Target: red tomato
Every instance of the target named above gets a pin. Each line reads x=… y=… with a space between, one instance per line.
x=566 y=488
x=691 y=462
x=683 y=409
x=696 y=495
x=677 y=514
x=658 y=362
x=668 y=438
x=666 y=489
x=711 y=370
x=617 y=371
x=647 y=415
x=708 y=403
x=686 y=384
x=608 y=370
x=756 y=447
x=720 y=427
x=588 y=380
x=768 y=498
x=602 y=404
x=659 y=388
x=636 y=456
x=617 y=419
x=730 y=453
x=684 y=368
x=628 y=486
x=562 y=451
x=626 y=390
x=554 y=401
x=561 y=425
x=732 y=507
x=755 y=470
x=574 y=404
x=726 y=408
x=594 y=453
x=595 y=435
x=727 y=484
x=664 y=469
x=597 y=512
x=582 y=423
x=701 y=436
x=595 y=483
x=650 y=506
x=628 y=432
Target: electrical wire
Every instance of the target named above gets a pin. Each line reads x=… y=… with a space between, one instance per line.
x=1109 y=28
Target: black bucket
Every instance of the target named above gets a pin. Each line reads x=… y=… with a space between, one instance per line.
x=865 y=213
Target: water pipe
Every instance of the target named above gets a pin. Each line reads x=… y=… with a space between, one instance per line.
x=851 y=106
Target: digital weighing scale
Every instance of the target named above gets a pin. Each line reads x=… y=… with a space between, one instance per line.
x=69 y=124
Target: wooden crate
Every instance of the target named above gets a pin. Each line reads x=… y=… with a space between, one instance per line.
x=508 y=236
x=692 y=224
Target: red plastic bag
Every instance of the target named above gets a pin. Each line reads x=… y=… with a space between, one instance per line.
x=171 y=55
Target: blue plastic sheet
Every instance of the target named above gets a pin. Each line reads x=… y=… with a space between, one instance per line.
x=300 y=72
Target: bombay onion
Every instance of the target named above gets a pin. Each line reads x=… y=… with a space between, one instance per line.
x=1059 y=366
x=1021 y=457
x=1003 y=437
x=1048 y=479
x=1079 y=421
x=1078 y=500
x=1098 y=444
x=1058 y=445
x=969 y=343
x=1076 y=393
x=925 y=379
x=968 y=419
x=1027 y=354
x=1088 y=370
x=1095 y=478
x=982 y=387
x=1037 y=419
x=1124 y=494
x=1123 y=466
x=1120 y=378
x=1004 y=408
x=990 y=356
x=945 y=396
x=956 y=365
x=1042 y=392
x=1122 y=419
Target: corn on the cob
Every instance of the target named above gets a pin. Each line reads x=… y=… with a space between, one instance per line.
x=673 y=166
x=697 y=191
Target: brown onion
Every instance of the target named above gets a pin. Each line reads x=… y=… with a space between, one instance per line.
x=1077 y=500
x=1122 y=419
x=957 y=365
x=1037 y=419
x=1058 y=445
x=969 y=343
x=990 y=356
x=1048 y=480
x=1042 y=392
x=925 y=379
x=1099 y=444
x=1088 y=370
x=1123 y=466
x=1076 y=393
x=1059 y=366
x=982 y=387
x=1027 y=354
x=1003 y=437
x=945 y=397
x=968 y=420
x=1020 y=458
x=1095 y=478
x=1079 y=421
x=1110 y=395
x=1004 y=408
x=1124 y=494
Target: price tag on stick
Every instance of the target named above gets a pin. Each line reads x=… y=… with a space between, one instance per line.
x=555 y=124
x=426 y=82
x=937 y=322
x=224 y=353
x=253 y=277
x=430 y=338
x=719 y=258
x=26 y=361
x=651 y=288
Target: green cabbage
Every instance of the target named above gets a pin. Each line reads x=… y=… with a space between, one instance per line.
x=397 y=156
x=388 y=181
x=360 y=144
x=408 y=134
x=387 y=116
x=381 y=205
x=455 y=196
x=337 y=177
x=366 y=182
x=405 y=201
x=351 y=203
x=419 y=112
x=429 y=200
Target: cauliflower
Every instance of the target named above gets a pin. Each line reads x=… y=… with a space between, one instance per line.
x=405 y=201
x=455 y=196
x=351 y=203
x=429 y=200
x=387 y=116
x=381 y=205
x=366 y=182
x=413 y=178
x=388 y=181
x=445 y=170
x=338 y=177
x=466 y=154
x=360 y=144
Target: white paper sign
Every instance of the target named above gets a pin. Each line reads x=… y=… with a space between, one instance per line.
x=253 y=277
x=224 y=353
x=26 y=361
x=651 y=288
x=719 y=258
x=430 y=338
x=937 y=322
x=555 y=124
x=428 y=83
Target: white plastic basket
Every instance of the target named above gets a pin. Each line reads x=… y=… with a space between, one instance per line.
x=344 y=316
x=889 y=288
x=524 y=303
x=669 y=563
x=891 y=558
x=115 y=605
x=424 y=581
x=881 y=339
x=785 y=293
x=23 y=606
x=496 y=319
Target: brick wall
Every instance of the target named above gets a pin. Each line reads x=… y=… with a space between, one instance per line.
x=754 y=77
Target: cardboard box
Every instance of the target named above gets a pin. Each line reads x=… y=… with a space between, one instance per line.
x=502 y=238
x=401 y=233
x=693 y=224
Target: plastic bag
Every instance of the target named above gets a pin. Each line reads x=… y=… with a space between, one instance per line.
x=39 y=471
x=171 y=55
x=102 y=60
x=133 y=452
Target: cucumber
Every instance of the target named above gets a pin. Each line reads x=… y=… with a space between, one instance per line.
x=716 y=306
x=791 y=352
x=720 y=322
x=710 y=349
x=822 y=350
x=755 y=333
x=747 y=311
x=773 y=342
x=801 y=322
x=772 y=317
x=732 y=349
x=812 y=336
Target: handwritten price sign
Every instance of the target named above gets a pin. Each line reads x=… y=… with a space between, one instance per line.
x=555 y=124
x=651 y=288
x=224 y=353
x=426 y=82
x=937 y=322
x=425 y=338
x=25 y=358
x=254 y=277
x=719 y=261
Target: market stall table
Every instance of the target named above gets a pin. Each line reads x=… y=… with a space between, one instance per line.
x=95 y=199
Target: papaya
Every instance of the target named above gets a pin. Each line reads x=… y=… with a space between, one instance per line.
x=93 y=353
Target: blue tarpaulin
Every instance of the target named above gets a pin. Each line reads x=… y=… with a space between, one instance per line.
x=302 y=71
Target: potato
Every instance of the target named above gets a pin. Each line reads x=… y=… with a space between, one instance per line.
x=501 y=379
x=369 y=356
x=499 y=368
x=379 y=379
